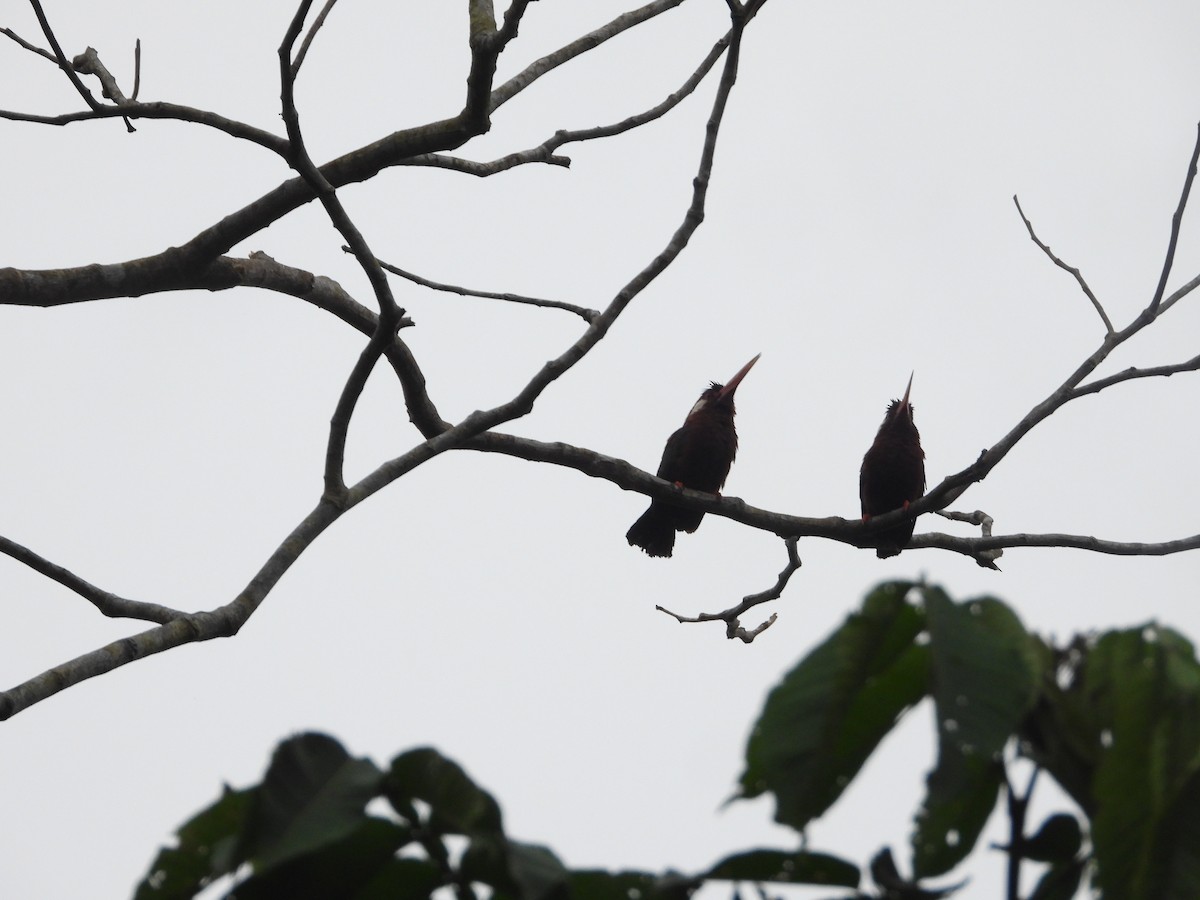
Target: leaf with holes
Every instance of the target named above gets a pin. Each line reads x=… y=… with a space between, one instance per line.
x=826 y=717
x=985 y=672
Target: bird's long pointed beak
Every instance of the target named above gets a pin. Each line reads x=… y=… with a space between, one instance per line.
x=733 y=382
x=904 y=401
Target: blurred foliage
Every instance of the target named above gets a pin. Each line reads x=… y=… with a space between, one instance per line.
x=1113 y=718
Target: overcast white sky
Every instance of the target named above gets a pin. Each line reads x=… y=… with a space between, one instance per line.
x=860 y=226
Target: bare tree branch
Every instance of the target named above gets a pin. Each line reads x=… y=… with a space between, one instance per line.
x=545 y=152
x=1062 y=265
x=228 y=619
x=45 y=54
x=973 y=547
x=61 y=58
x=199 y=263
x=137 y=68
x=486 y=169
x=512 y=20
x=836 y=528
x=1179 y=295
x=312 y=33
x=88 y=62
x=225 y=621
x=1176 y=221
x=521 y=404
x=986 y=558
x=588 y=315
x=390 y=314
x=108 y=603
x=589 y=41
x=1094 y=387
x=731 y=617
x=954 y=485
x=159 y=110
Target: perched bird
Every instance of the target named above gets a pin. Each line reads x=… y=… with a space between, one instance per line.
x=893 y=474
x=697 y=456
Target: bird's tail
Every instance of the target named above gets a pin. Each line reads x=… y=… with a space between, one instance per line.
x=654 y=532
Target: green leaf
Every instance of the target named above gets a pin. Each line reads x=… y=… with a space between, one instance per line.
x=535 y=871
x=1057 y=841
x=885 y=874
x=403 y=879
x=1061 y=881
x=1177 y=851
x=457 y=804
x=1062 y=733
x=783 y=867
x=1119 y=729
x=513 y=869
x=600 y=885
x=1145 y=685
x=962 y=793
x=823 y=721
x=206 y=850
x=985 y=673
x=337 y=871
x=313 y=795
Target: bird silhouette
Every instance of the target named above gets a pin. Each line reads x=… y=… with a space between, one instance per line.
x=893 y=474
x=697 y=456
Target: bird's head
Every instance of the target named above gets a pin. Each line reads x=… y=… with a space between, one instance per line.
x=721 y=395
x=900 y=411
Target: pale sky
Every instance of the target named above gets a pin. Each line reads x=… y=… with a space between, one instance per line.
x=860 y=226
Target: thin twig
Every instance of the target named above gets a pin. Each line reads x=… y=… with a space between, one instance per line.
x=1094 y=387
x=730 y=617
x=1176 y=221
x=974 y=546
x=589 y=41
x=545 y=151
x=512 y=20
x=108 y=603
x=1062 y=265
x=225 y=621
x=486 y=169
x=954 y=485
x=308 y=38
x=1017 y=809
x=390 y=314
x=588 y=315
x=1179 y=294
x=61 y=57
x=45 y=54
x=137 y=69
x=159 y=110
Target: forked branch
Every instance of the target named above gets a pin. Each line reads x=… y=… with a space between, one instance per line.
x=732 y=616
x=1062 y=265
x=197 y=261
